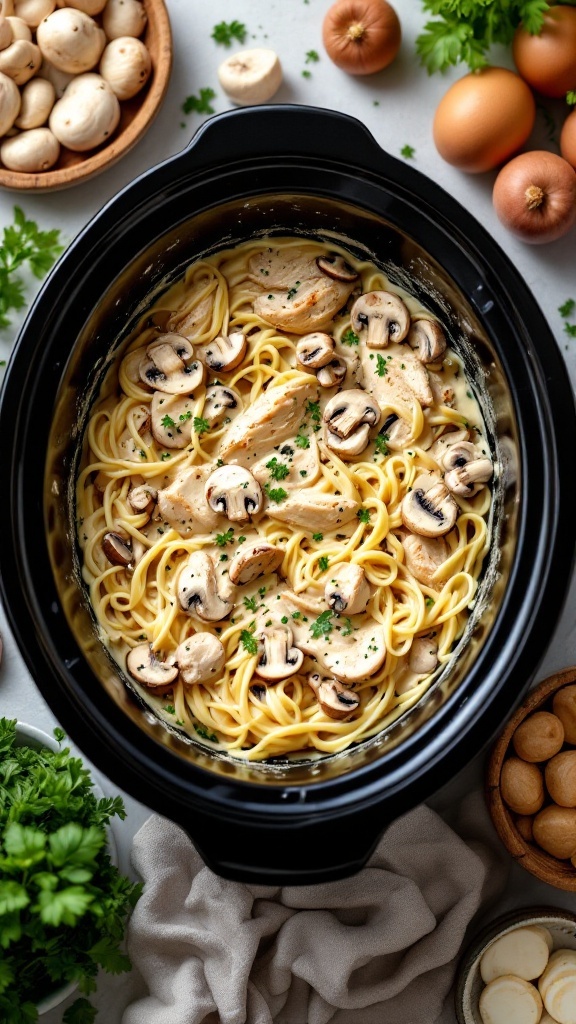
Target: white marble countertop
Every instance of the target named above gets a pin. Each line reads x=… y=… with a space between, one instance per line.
x=397 y=106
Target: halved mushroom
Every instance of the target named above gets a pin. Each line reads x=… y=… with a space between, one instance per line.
x=143 y=498
x=348 y=411
x=254 y=559
x=423 y=657
x=333 y=698
x=429 y=509
x=198 y=589
x=467 y=469
x=234 y=492
x=332 y=374
x=335 y=266
x=424 y=556
x=278 y=659
x=384 y=315
x=225 y=353
x=347 y=589
x=445 y=441
x=146 y=668
x=171 y=419
x=200 y=658
x=350 y=447
x=167 y=366
x=116 y=549
x=428 y=337
x=315 y=350
x=397 y=432
x=219 y=400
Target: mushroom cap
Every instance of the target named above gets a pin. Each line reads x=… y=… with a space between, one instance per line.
x=6 y=33
x=251 y=76
x=234 y=492
x=335 y=266
x=198 y=589
x=347 y=590
x=384 y=316
x=87 y=114
x=350 y=447
x=143 y=498
x=171 y=419
x=30 y=151
x=126 y=66
x=467 y=469
x=278 y=659
x=70 y=40
x=315 y=350
x=124 y=18
x=429 y=509
x=116 y=549
x=200 y=658
x=254 y=559
x=168 y=365
x=32 y=12
x=9 y=103
x=90 y=7
x=397 y=431
x=332 y=375
x=219 y=399
x=146 y=668
x=334 y=699
x=20 y=60
x=347 y=411
x=225 y=352
x=38 y=98
x=428 y=337
x=20 y=30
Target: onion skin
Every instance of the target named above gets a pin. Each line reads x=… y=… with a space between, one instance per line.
x=548 y=61
x=361 y=36
x=568 y=139
x=535 y=197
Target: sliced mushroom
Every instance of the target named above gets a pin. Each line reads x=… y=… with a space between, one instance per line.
x=429 y=509
x=278 y=659
x=348 y=411
x=428 y=337
x=172 y=419
x=333 y=698
x=423 y=657
x=351 y=446
x=467 y=469
x=225 y=353
x=219 y=400
x=397 y=432
x=116 y=549
x=252 y=560
x=143 y=498
x=335 y=266
x=332 y=374
x=146 y=668
x=315 y=350
x=198 y=589
x=167 y=366
x=384 y=316
x=439 y=448
x=200 y=658
x=233 y=492
x=347 y=589
x=424 y=556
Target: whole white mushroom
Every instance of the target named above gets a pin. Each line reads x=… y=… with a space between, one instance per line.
x=7 y=8
x=9 y=103
x=86 y=115
x=59 y=79
x=6 y=34
x=36 y=150
x=20 y=30
x=126 y=66
x=33 y=11
x=124 y=18
x=70 y=40
x=20 y=60
x=38 y=98
x=90 y=7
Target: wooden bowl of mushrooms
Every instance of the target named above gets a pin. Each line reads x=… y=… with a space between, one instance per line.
x=80 y=83
x=531 y=782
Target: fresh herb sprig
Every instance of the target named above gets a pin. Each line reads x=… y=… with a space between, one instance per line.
x=201 y=104
x=23 y=243
x=226 y=31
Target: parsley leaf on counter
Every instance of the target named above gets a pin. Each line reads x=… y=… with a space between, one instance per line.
x=570 y=330
x=312 y=57
x=407 y=152
x=226 y=31
x=201 y=104
x=23 y=242
x=567 y=308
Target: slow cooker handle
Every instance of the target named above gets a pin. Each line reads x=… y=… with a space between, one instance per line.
x=283 y=130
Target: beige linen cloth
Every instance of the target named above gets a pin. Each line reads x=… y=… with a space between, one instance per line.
x=378 y=948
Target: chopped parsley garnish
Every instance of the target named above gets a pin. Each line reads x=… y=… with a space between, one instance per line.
x=167 y=422
x=381 y=368
x=407 y=152
x=276 y=494
x=226 y=31
x=249 y=641
x=203 y=732
x=567 y=308
x=251 y=604
x=200 y=425
x=225 y=538
x=170 y=709
x=350 y=337
x=201 y=103
x=312 y=57
x=164 y=456
x=284 y=620
x=571 y=97
x=322 y=626
x=363 y=515
x=317 y=536
x=292 y=291
x=570 y=330
x=278 y=470
x=302 y=441
x=306 y=74
x=429 y=602
x=185 y=416
x=380 y=444
x=323 y=563
x=347 y=631
x=313 y=410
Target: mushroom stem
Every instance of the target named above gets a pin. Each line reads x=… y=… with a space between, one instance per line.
x=534 y=196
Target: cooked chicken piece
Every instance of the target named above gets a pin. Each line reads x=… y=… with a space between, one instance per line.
x=277 y=268
x=443 y=392
x=182 y=504
x=396 y=375
x=424 y=556
x=303 y=465
x=274 y=417
x=314 y=510
x=297 y=296
x=193 y=318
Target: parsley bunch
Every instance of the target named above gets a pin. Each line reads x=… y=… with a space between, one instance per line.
x=63 y=904
x=22 y=242
x=466 y=29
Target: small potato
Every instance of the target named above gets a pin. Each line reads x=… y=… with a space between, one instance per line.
x=538 y=737
x=564 y=705
x=560 y=775
x=124 y=18
x=521 y=786
x=126 y=66
x=38 y=98
x=522 y=952
x=32 y=151
x=555 y=831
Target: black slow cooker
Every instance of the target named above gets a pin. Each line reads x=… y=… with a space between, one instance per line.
x=285 y=169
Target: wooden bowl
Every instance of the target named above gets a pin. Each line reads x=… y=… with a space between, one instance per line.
x=558 y=873
x=136 y=117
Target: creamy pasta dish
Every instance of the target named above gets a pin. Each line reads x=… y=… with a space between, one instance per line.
x=283 y=501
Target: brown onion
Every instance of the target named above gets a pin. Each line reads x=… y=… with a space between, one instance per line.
x=361 y=36
x=568 y=139
x=535 y=196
